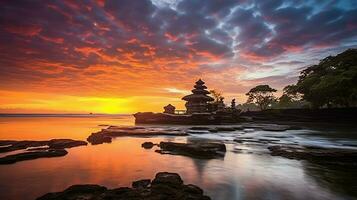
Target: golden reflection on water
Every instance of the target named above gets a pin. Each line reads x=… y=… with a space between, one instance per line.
x=43 y=128
x=236 y=176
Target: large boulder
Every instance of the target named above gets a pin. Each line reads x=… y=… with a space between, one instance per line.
x=204 y=150
x=98 y=138
x=147 y=145
x=164 y=186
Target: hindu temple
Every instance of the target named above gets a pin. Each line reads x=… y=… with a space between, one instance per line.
x=197 y=102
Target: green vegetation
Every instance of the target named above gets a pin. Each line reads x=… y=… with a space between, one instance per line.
x=262 y=95
x=331 y=83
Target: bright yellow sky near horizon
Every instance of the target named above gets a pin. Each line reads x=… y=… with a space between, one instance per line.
x=31 y=102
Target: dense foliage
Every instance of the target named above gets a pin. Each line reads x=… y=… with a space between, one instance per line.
x=262 y=95
x=332 y=82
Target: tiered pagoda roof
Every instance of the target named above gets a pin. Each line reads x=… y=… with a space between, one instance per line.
x=199 y=93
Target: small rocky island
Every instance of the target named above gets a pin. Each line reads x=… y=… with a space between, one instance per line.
x=164 y=186
x=200 y=109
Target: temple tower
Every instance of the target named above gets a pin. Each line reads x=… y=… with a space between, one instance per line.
x=197 y=101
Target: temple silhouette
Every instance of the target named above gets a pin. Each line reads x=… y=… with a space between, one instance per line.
x=200 y=109
x=197 y=102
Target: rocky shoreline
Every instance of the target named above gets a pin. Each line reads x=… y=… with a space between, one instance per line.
x=30 y=150
x=106 y=135
x=316 y=154
x=164 y=186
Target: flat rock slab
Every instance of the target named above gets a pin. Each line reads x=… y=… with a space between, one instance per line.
x=13 y=145
x=36 y=149
x=10 y=159
x=164 y=186
x=106 y=135
x=271 y=127
x=203 y=150
x=330 y=155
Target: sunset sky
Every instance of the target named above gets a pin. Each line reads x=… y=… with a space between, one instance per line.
x=124 y=56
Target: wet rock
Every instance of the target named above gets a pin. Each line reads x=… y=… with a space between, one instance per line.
x=76 y=192
x=13 y=145
x=140 y=131
x=202 y=150
x=167 y=178
x=106 y=135
x=65 y=143
x=10 y=159
x=213 y=130
x=331 y=155
x=193 y=189
x=128 y=128
x=165 y=186
x=144 y=183
x=147 y=145
x=225 y=129
x=238 y=127
x=275 y=128
x=36 y=149
x=98 y=138
x=199 y=128
x=197 y=132
x=248 y=140
x=268 y=140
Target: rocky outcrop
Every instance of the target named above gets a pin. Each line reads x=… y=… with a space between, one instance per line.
x=147 y=145
x=201 y=150
x=10 y=159
x=106 y=135
x=330 y=155
x=13 y=145
x=99 y=138
x=65 y=143
x=36 y=149
x=164 y=186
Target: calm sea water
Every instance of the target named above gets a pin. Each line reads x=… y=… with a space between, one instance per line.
x=248 y=174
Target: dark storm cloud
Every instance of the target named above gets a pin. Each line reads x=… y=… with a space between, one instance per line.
x=70 y=35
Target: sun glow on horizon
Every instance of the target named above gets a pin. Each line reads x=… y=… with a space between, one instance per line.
x=31 y=102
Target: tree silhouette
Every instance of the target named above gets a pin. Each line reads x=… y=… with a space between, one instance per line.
x=332 y=82
x=262 y=95
x=216 y=95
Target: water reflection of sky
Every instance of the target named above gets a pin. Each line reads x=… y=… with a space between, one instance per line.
x=237 y=176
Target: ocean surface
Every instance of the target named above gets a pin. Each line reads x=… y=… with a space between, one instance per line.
x=247 y=171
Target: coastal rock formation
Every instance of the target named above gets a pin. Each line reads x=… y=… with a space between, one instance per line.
x=147 y=145
x=330 y=155
x=164 y=186
x=106 y=135
x=36 y=149
x=207 y=150
x=10 y=159
x=13 y=145
x=65 y=143
x=98 y=138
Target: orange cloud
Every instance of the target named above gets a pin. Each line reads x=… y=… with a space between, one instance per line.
x=30 y=30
